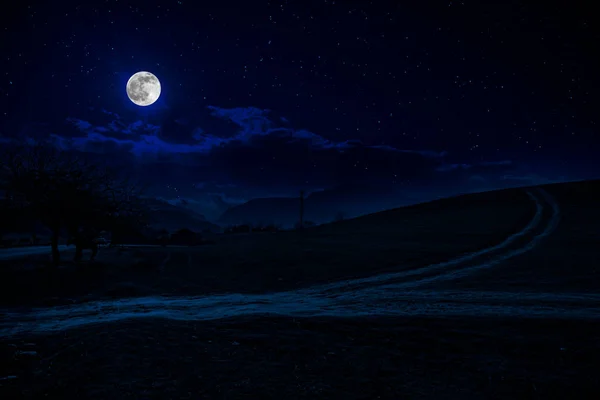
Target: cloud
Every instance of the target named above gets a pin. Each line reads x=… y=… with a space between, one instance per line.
x=314 y=140
x=83 y=126
x=530 y=179
x=496 y=163
x=448 y=167
x=245 y=152
x=250 y=119
x=424 y=153
x=254 y=128
x=452 y=167
x=112 y=114
x=115 y=128
x=254 y=122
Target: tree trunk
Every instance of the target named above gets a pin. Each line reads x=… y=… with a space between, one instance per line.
x=55 y=252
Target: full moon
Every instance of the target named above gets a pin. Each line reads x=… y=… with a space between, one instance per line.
x=143 y=88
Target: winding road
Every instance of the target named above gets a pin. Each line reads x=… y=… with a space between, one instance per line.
x=392 y=294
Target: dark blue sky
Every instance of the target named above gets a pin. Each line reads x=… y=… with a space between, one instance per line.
x=261 y=98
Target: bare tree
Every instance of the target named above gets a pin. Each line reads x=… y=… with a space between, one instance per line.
x=63 y=191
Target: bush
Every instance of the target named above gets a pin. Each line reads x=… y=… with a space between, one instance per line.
x=245 y=228
x=186 y=237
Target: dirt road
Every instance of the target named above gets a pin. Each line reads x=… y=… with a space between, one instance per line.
x=394 y=294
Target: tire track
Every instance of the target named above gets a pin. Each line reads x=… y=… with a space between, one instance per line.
x=460 y=272
x=354 y=284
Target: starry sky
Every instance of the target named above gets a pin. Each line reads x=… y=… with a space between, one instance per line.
x=263 y=98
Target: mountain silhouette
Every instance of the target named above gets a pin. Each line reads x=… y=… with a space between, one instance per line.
x=319 y=207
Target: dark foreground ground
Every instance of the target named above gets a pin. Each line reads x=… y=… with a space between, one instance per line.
x=276 y=358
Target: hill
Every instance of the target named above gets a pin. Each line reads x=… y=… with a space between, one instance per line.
x=483 y=295
x=171 y=217
x=319 y=207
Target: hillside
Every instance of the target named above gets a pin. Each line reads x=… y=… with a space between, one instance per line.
x=491 y=294
x=394 y=240
x=172 y=218
x=319 y=207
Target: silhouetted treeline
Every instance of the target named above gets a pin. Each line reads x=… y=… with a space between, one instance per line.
x=185 y=237
x=64 y=193
x=247 y=228
x=149 y=236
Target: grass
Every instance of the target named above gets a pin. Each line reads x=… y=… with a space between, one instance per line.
x=318 y=358
x=389 y=241
x=567 y=260
x=273 y=358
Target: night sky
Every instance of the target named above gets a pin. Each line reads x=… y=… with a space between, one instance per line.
x=263 y=98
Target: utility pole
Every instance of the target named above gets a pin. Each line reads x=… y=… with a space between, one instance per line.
x=301 y=209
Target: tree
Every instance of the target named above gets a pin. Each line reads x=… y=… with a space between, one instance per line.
x=185 y=237
x=63 y=191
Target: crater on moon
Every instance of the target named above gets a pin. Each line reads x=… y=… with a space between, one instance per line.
x=143 y=88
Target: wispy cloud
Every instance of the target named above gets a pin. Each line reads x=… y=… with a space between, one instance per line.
x=82 y=125
x=447 y=167
x=453 y=167
x=114 y=126
x=496 y=163
x=256 y=122
x=532 y=179
x=253 y=124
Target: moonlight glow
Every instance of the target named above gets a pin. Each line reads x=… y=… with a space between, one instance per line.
x=143 y=88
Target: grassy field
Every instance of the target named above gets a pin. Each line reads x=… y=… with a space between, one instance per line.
x=268 y=357
x=567 y=261
x=389 y=241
